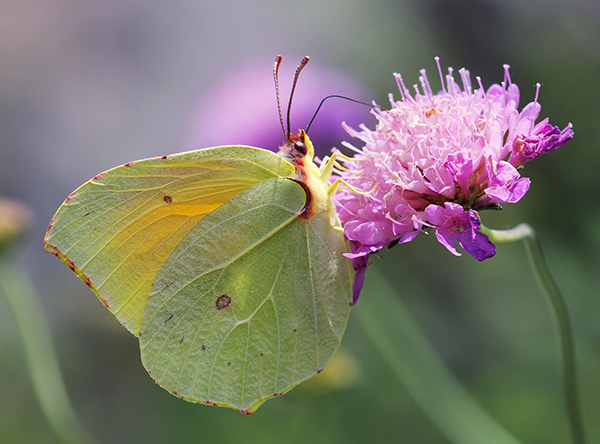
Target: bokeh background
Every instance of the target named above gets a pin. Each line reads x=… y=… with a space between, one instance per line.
x=88 y=85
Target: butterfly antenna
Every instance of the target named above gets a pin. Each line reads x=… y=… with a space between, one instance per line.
x=301 y=66
x=336 y=96
x=276 y=77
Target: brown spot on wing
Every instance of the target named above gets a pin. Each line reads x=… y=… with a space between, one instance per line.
x=223 y=301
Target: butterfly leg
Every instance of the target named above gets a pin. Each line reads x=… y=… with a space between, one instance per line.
x=334 y=186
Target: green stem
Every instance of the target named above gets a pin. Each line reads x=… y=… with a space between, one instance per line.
x=569 y=371
x=39 y=352
x=420 y=369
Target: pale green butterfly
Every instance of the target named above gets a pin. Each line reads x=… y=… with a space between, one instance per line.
x=227 y=263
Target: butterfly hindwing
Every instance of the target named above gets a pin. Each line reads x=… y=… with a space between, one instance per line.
x=253 y=300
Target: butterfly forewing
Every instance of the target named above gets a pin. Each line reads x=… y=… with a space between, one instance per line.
x=116 y=230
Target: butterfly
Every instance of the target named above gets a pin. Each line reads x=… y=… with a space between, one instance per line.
x=227 y=263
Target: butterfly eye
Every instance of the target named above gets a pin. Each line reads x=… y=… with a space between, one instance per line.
x=300 y=147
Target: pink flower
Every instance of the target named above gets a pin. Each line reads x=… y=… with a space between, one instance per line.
x=438 y=158
x=455 y=224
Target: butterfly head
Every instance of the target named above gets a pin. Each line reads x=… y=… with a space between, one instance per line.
x=298 y=148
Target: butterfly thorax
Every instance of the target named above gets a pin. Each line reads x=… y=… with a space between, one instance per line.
x=299 y=151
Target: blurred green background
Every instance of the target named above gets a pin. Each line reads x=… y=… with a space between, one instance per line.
x=87 y=85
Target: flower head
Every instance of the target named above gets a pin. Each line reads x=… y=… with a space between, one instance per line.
x=436 y=159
